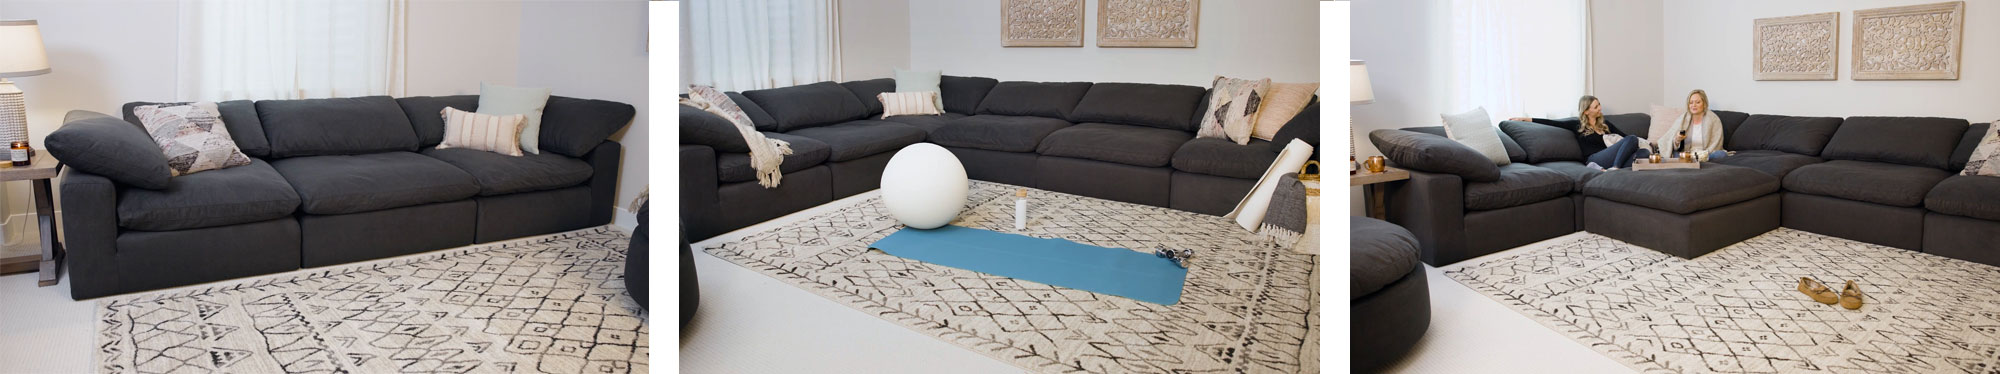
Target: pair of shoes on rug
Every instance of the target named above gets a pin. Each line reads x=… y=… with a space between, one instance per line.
x=1849 y=298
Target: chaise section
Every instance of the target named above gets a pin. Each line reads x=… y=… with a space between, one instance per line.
x=1683 y=212
x=1002 y=133
x=222 y=197
x=362 y=183
x=500 y=174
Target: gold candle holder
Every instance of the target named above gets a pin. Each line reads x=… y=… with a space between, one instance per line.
x=1376 y=164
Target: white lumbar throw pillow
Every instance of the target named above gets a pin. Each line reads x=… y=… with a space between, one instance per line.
x=1474 y=129
x=1986 y=157
x=909 y=103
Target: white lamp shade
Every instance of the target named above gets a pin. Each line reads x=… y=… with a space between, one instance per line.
x=924 y=186
x=21 y=51
x=1359 y=91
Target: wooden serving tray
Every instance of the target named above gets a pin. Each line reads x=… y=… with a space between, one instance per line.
x=1664 y=164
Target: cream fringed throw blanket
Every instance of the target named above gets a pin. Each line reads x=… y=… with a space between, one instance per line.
x=766 y=154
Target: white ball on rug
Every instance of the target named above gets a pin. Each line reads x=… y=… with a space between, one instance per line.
x=924 y=186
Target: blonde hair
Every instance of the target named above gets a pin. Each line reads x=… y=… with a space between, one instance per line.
x=1590 y=126
x=1704 y=100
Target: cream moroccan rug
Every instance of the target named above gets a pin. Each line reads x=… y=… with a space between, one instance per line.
x=550 y=304
x=1738 y=310
x=1247 y=307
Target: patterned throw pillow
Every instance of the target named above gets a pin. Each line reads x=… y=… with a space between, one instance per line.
x=909 y=103
x=714 y=101
x=1986 y=157
x=1232 y=109
x=192 y=136
x=485 y=132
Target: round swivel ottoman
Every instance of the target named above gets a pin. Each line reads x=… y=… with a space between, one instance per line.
x=1391 y=306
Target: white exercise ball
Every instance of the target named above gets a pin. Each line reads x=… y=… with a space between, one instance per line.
x=924 y=186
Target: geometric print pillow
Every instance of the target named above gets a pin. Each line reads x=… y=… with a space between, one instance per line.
x=1986 y=157
x=1232 y=108
x=192 y=135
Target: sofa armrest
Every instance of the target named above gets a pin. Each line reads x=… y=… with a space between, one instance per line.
x=1432 y=206
x=701 y=205
x=604 y=162
x=90 y=228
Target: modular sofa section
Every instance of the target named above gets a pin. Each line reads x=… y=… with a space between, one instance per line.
x=1104 y=180
x=746 y=203
x=1893 y=226
x=339 y=239
x=1684 y=235
x=1015 y=168
x=1207 y=194
x=533 y=213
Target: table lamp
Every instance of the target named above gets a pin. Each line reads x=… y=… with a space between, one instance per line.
x=21 y=55
x=1359 y=91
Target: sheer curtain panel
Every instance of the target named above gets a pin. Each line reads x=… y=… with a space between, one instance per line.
x=1516 y=57
x=291 y=49
x=755 y=44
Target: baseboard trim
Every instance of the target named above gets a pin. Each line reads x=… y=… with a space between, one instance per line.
x=624 y=219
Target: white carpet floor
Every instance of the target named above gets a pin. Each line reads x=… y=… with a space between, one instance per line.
x=1471 y=333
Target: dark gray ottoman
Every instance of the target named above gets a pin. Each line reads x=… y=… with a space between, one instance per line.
x=1391 y=305
x=1683 y=212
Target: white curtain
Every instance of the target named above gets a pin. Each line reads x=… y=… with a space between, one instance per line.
x=754 y=44
x=1517 y=57
x=291 y=49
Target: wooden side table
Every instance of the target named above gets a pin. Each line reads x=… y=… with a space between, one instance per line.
x=1377 y=188
x=40 y=170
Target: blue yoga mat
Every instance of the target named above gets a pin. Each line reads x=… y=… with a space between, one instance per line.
x=1122 y=272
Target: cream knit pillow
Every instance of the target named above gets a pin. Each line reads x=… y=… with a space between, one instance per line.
x=486 y=132
x=908 y=103
x=1285 y=102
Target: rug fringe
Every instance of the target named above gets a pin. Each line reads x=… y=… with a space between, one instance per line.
x=1280 y=235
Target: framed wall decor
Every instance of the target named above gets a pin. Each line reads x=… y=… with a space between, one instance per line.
x=1148 y=23
x=1796 y=48
x=1914 y=42
x=1041 y=23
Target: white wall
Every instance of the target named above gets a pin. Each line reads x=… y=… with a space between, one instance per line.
x=874 y=38
x=1716 y=56
x=1626 y=52
x=1275 y=39
x=454 y=45
x=594 y=50
x=1402 y=43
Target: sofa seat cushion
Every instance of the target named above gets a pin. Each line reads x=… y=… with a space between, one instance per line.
x=857 y=139
x=1223 y=158
x=361 y=183
x=997 y=132
x=500 y=174
x=1381 y=253
x=1775 y=163
x=1966 y=196
x=1124 y=144
x=222 y=197
x=1875 y=182
x=1579 y=174
x=1683 y=191
x=927 y=123
x=806 y=153
x=1519 y=184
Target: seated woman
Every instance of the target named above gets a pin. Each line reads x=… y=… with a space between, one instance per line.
x=1600 y=142
x=1698 y=131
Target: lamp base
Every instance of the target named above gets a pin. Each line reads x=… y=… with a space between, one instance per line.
x=13 y=113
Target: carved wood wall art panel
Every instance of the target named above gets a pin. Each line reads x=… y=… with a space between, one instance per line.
x=1148 y=23
x=1796 y=48
x=1041 y=23
x=1909 y=42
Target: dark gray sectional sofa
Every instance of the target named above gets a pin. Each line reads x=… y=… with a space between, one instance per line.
x=331 y=181
x=1128 y=142
x=1891 y=181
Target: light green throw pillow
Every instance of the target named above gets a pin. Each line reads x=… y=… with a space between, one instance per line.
x=507 y=100
x=920 y=81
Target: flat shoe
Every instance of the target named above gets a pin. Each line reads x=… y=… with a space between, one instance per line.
x=1850 y=298
x=1818 y=291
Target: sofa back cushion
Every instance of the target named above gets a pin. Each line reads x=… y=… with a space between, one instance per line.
x=1915 y=141
x=866 y=91
x=758 y=117
x=1543 y=143
x=1801 y=135
x=115 y=149
x=1514 y=151
x=1040 y=99
x=962 y=95
x=572 y=127
x=1631 y=123
x=424 y=118
x=337 y=126
x=1166 y=106
x=805 y=106
x=1434 y=154
x=240 y=116
x=1730 y=122
x=1966 y=145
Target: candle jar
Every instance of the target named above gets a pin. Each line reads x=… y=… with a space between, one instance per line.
x=1687 y=156
x=1376 y=164
x=1655 y=158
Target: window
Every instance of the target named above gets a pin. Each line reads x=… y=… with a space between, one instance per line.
x=1516 y=58
x=747 y=45
x=290 y=49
